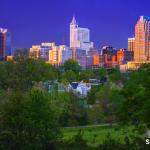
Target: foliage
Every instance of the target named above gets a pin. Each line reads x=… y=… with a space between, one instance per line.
x=137 y=143
x=105 y=138
x=134 y=109
x=69 y=76
x=72 y=65
x=30 y=117
x=86 y=75
x=107 y=100
x=91 y=97
x=100 y=73
x=115 y=75
x=19 y=75
x=68 y=107
x=28 y=122
x=74 y=114
x=77 y=142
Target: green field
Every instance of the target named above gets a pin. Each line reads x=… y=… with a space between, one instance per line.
x=95 y=135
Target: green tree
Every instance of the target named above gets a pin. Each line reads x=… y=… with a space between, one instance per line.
x=77 y=113
x=135 y=108
x=91 y=97
x=108 y=98
x=115 y=75
x=69 y=76
x=28 y=122
x=86 y=75
x=19 y=75
x=100 y=73
x=73 y=113
x=72 y=65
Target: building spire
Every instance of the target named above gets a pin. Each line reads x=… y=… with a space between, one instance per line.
x=73 y=20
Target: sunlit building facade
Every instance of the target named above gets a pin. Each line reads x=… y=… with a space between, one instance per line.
x=53 y=55
x=131 y=44
x=41 y=51
x=98 y=60
x=123 y=56
x=59 y=54
x=34 y=52
x=142 y=40
x=61 y=49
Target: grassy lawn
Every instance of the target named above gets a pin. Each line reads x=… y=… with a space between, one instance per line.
x=96 y=135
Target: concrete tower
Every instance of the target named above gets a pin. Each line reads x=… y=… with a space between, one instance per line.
x=79 y=37
x=142 y=40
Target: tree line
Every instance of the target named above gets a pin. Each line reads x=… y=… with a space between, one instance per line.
x=31 y=118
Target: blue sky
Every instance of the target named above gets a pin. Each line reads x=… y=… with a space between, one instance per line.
x=34 y=21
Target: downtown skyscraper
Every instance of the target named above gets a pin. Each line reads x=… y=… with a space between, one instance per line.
x=142 y=40
x=131 y=44
x=79 y=37
x=5 y=43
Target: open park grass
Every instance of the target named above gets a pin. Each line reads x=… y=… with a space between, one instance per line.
x=95 y=135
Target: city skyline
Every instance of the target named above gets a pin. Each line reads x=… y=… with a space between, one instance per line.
x=35 y=22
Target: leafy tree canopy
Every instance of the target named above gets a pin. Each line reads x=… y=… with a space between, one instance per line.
x=72 y=65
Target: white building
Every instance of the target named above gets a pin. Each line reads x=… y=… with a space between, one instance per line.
x=83 y=89
x=79 y=37
x=80 y=88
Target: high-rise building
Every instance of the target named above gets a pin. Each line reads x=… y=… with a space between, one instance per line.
x=61 y=49
x=44 y=50
x=131 y=44
x=41 y=51
x=89 y=61
x=142 y=40
x=53 y=55
x=66 y=55
x=5 y=44
x=79 y=37
x=98 y=60
x=59 y=54
x=34 y=51
x=123 y=56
